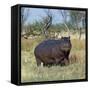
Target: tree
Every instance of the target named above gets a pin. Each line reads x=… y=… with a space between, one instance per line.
x=47 y=22
x=24 y=17
x=64 y=14
x=77 y=19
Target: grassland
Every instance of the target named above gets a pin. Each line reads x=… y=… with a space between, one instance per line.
x=31 y=73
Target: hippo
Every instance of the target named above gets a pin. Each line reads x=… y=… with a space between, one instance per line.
x=53 y=52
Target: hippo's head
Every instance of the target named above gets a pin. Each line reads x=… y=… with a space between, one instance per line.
x=67 y=39
x=65 y=43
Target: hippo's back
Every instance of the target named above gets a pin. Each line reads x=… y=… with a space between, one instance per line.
x=45 y=48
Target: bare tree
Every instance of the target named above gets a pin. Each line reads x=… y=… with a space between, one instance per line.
x=64 y=16
x=24 y=16
x=47 y=22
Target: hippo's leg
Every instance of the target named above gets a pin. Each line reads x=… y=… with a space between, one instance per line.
x=50 y=62
x=65 y=61
x=67 y=56
x=38 y=62
x=57 y=61
x=62 y=62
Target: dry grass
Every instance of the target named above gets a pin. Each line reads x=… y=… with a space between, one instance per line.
x=31 y=73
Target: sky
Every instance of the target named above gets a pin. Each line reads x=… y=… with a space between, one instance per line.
x=37 y=15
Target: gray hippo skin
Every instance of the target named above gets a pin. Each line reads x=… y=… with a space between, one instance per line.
x=53 y=52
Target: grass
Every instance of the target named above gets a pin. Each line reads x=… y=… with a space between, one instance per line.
x=31 y=73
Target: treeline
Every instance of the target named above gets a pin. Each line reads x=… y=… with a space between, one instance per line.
x=73 y=21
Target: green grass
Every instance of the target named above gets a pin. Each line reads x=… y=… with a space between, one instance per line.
x=31 y=73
